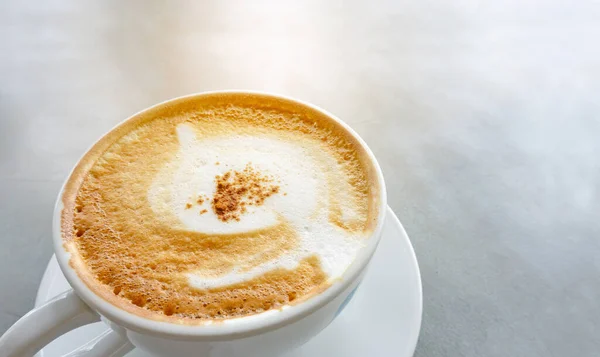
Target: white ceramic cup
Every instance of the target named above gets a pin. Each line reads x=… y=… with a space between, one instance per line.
x=263 y=334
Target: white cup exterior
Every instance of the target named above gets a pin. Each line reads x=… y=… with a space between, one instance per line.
x=264 y=334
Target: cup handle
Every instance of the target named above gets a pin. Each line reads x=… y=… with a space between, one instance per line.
x=108 y=344
x=42 y=325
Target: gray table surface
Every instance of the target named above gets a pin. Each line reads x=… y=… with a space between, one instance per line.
x=485 y=117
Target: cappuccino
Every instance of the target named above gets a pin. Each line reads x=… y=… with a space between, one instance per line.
x=219 y=206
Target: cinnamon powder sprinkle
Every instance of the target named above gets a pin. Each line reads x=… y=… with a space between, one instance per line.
x=188 y=205
x=203 y=211
x=237 y=189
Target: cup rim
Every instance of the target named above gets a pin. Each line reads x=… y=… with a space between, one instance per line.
x=236 y=327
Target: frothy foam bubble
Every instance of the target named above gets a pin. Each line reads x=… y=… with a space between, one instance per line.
x=298 y=167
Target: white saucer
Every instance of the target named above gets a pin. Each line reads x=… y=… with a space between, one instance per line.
x=383 y=318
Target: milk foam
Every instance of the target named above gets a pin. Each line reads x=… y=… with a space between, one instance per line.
x=300 y=168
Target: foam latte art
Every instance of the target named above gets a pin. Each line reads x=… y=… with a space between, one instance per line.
x=218 y=206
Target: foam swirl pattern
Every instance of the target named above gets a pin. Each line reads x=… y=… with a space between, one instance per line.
x=143 y=234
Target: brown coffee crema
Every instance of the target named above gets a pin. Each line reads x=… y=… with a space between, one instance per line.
x=138 y=261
